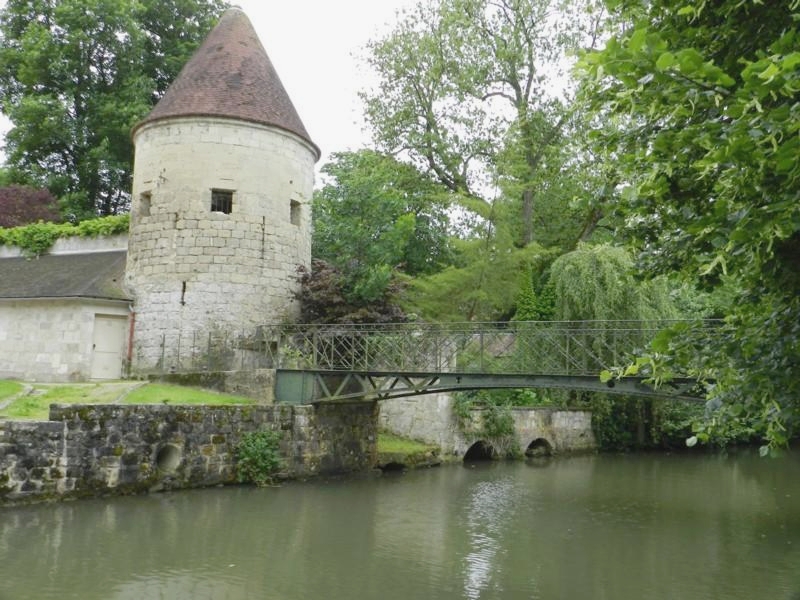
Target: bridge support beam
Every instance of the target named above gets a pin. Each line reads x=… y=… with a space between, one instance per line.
x=304 y=387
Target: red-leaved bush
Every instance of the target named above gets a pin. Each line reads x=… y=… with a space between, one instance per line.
x=20 y=205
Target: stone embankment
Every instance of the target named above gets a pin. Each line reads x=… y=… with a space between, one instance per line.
x=95 y=450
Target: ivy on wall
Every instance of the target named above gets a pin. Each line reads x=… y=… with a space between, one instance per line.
x=38 y=238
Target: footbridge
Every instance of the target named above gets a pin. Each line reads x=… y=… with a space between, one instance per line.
x=324 y=363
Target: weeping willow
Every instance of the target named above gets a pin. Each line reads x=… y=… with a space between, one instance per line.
x=598 y=283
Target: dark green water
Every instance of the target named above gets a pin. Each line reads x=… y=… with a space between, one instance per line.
x=600 y=527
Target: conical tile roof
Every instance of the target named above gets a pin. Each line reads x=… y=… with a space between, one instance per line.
x=230 y=75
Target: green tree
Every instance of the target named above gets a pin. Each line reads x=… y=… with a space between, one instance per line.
x=598 y=283
x=533 y=304
x=75 y=76
x=704 y=97
x=468 y=90
x=375 y=216
x=481 y=286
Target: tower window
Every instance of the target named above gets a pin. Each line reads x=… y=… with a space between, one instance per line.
x=222 y=201
x=294 y=212
x=145 y=199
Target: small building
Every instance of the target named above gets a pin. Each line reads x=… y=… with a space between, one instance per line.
x=220 y=222
x=64 y=316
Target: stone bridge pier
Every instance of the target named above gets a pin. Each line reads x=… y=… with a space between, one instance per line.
x=548 y=430
x=431 y=419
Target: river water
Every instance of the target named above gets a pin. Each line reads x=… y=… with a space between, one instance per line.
x=595 y=527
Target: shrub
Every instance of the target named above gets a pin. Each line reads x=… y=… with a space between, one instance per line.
x=258 y=458
x=324 y=298
x=494 y=423
x=20 y=205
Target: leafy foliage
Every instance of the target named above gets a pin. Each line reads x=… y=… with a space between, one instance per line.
x=465 y=92
x=624 y=423
x=75 y=76
x=481 y=286
x=324 y=298
x=258 y=457
x=376 y=215
x=703 y=97
x=597 y=283
x=20 y=205
x=533 y=306
x=37 y=238
x=481 y=417
x=618 y=423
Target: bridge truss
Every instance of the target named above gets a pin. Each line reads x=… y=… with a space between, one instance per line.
x=343 y=362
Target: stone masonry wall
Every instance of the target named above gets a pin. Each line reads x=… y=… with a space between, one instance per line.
x=427 y=418
x=430 y=419
x=191 y=269
x=91 y=450
x=564 y=430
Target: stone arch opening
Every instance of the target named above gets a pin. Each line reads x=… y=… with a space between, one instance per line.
x=393 y=466
x=480 y=450
x=538 y=448
x=168 y=458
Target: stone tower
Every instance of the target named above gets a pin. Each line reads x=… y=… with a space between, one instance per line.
x=220 y=215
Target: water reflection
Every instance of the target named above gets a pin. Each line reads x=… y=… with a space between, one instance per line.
x=620 y=527
x=488 y=512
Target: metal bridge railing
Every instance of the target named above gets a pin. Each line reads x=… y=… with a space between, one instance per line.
x=548 y=347
x=533 y=347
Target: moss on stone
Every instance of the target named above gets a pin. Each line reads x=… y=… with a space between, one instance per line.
x=130 y=458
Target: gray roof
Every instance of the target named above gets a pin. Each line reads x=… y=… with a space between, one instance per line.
x=88 y=275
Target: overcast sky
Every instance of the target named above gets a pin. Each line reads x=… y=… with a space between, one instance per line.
x=313 y=45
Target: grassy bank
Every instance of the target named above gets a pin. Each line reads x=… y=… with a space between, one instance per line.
x=35 y=405
x=390 y=443
x=9 y=388
x=395 y=452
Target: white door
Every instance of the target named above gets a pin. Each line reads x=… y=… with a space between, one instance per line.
x=108 y=346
